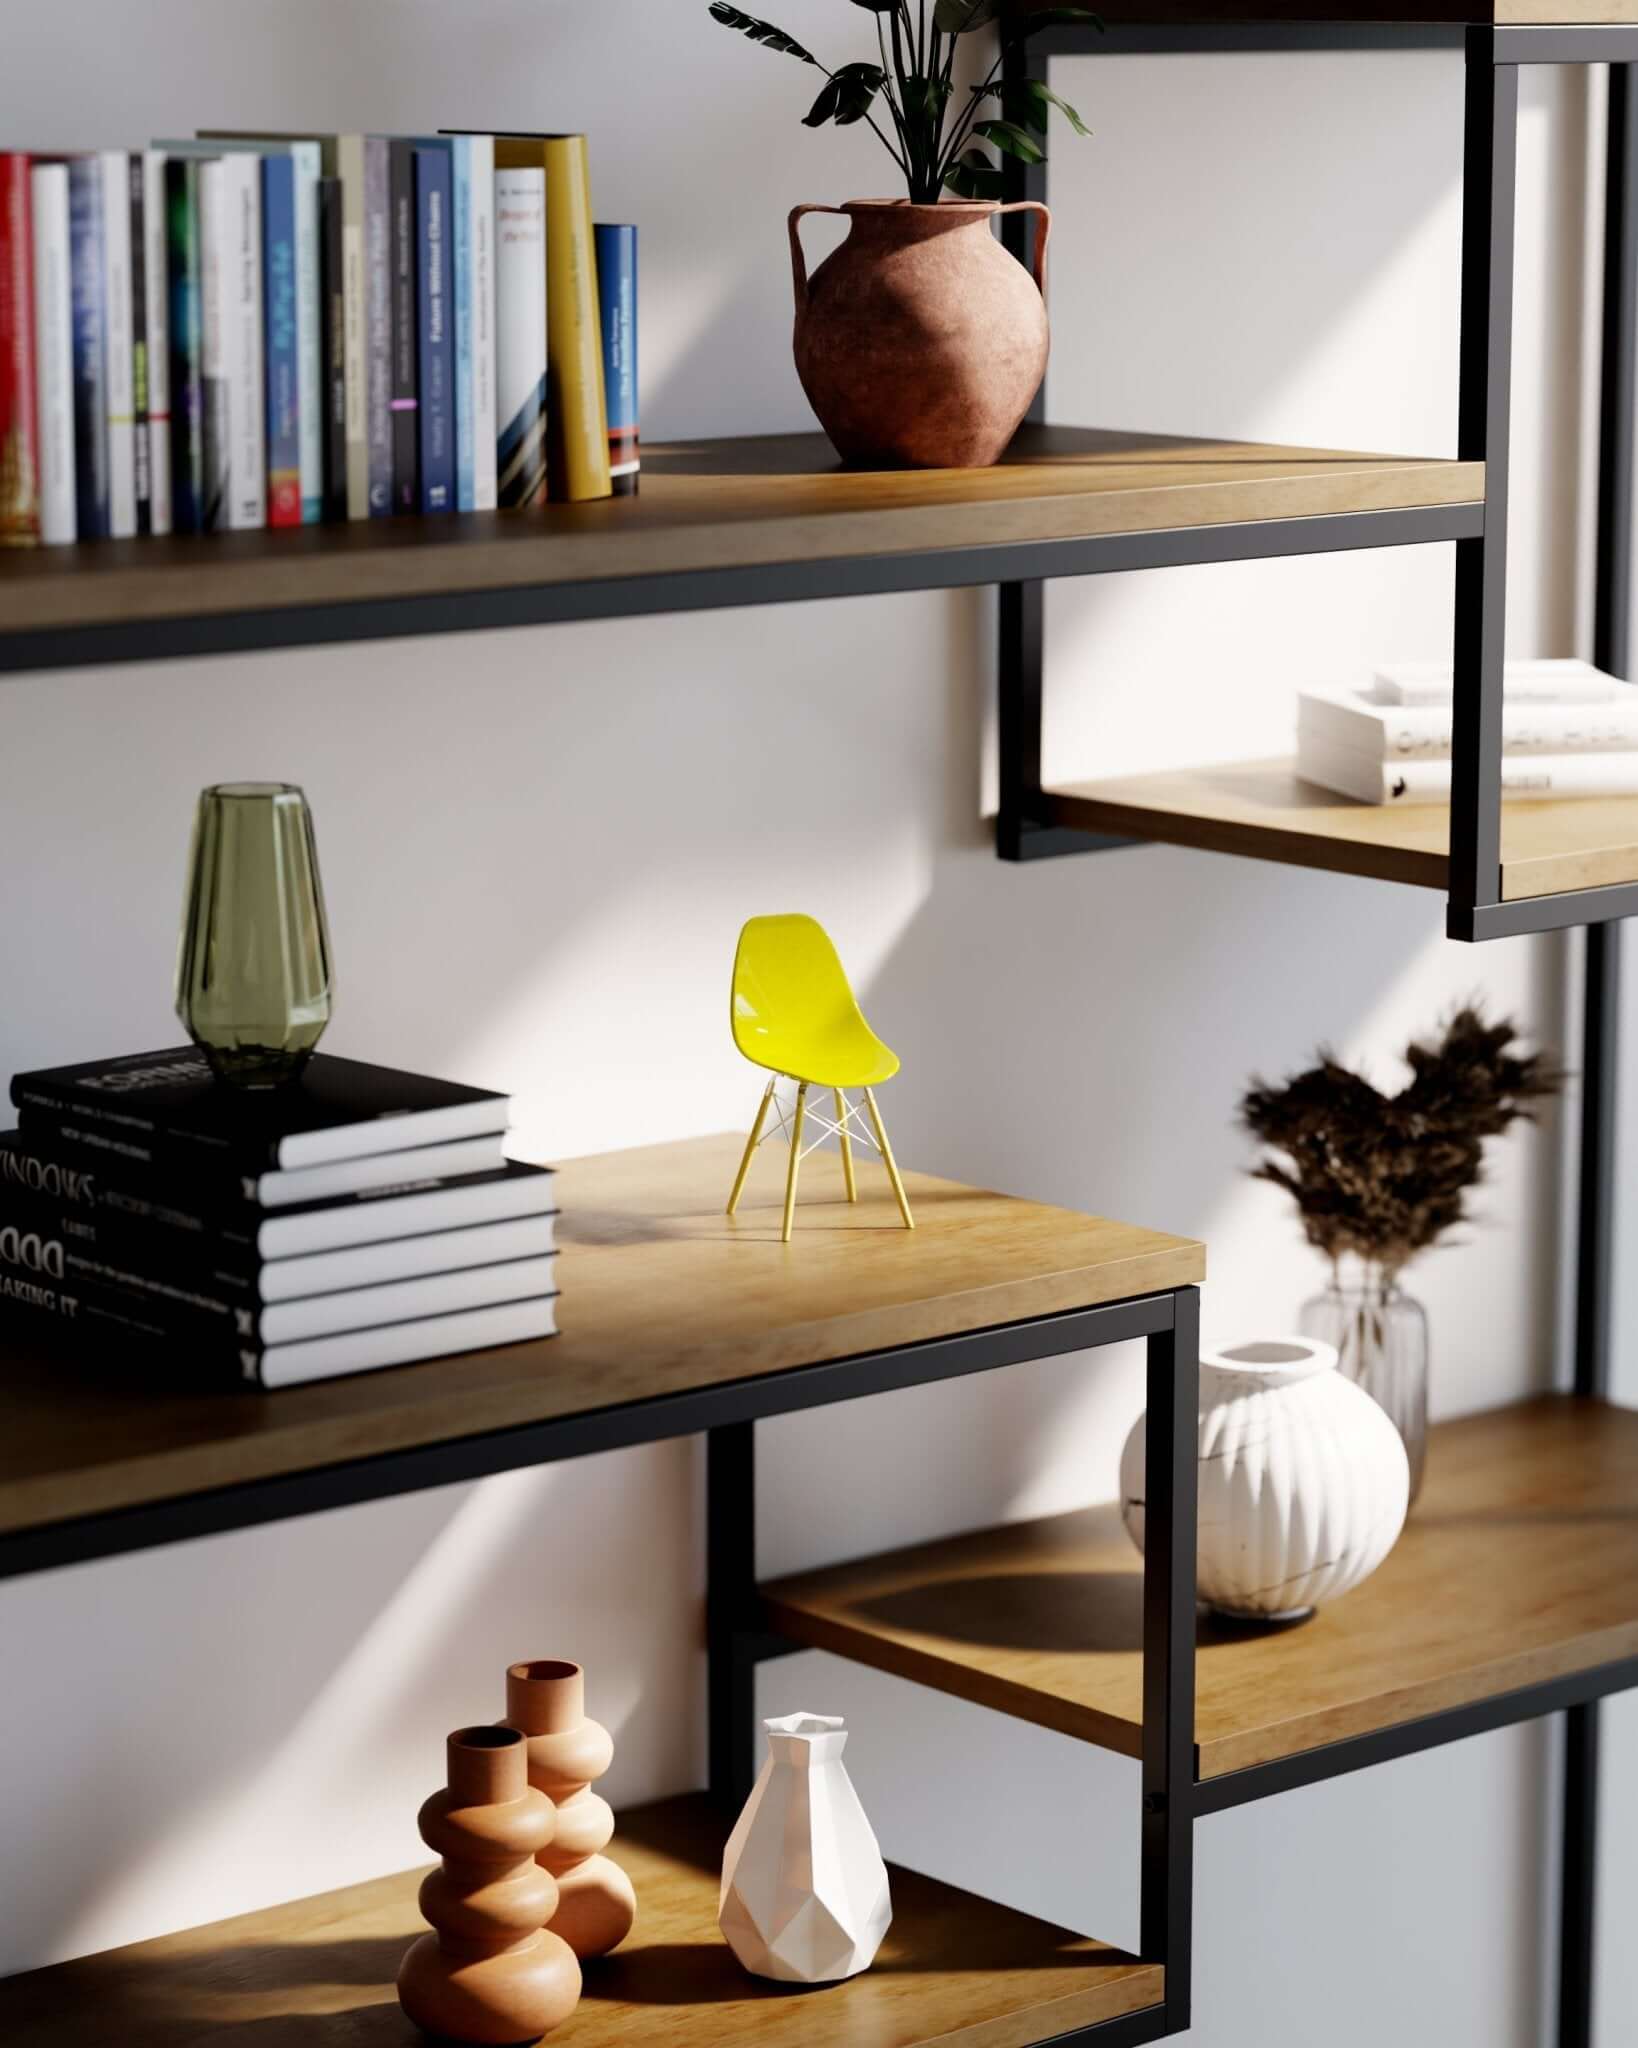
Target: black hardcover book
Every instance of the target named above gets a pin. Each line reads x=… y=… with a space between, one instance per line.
x=141 y=448
x=333 y=346
x=406 y=439
x=128 y=1217
x=171 y=1105
x=192 y=1352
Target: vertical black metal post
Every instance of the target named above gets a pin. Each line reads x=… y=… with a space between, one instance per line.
x=1488 y=179
x=1171 y=1442
x=1021 y=617
x=730 y=1608
x=1595 y=1245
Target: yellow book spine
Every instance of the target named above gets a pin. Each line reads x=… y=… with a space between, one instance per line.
x=574 y=335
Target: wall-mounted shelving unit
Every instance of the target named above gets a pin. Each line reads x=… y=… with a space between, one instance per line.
x=1497 y=1606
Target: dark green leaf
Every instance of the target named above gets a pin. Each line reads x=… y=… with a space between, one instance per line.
x=1060 y=17
x=1027 y=100
x=955 y=17
x=824 y=107
x=924 y=98
x=975 y=177
x=877 y=6
x=760 y=31
x=1005 y=135
x=858 y=86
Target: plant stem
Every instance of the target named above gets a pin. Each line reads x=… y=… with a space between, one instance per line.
x=964 y=122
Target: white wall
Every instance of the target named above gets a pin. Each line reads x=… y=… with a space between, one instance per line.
x=538 y=847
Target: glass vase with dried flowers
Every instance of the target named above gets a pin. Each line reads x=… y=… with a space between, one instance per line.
x=1379 y=1178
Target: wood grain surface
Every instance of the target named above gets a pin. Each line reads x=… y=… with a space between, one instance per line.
x=319 y=1973
x=1264 y=810
x=661 y=1292
x=1520 y=1563
x=723 y=504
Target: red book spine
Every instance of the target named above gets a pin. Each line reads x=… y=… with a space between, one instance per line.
x=19 y=440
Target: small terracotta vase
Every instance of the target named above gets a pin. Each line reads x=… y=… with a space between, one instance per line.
x=546 y=1701
x=490 y=1973
x=920 y=341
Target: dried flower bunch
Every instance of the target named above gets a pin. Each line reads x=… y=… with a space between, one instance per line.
x=1385 y=1176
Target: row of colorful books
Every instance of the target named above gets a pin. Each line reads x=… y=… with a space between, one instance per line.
x=244 y=331
x=354 y=1218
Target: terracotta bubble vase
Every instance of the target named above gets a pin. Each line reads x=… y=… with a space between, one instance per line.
x=490 y=1972
x=921 y=342
x=546 y=1702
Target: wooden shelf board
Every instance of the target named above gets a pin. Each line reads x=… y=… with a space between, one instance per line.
x=661 y=1293
x=1265 y=811
x=1481 y=13
x=1519 y=1564
x=319 y=1973
x=724 y=504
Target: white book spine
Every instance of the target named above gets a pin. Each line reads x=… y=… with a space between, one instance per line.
x=117 y=339
x=1543 y=776
x=1523 y=682
x=305 y=160
x=243 y=341
x=350 y=163
x=1392 y=732
x=53 y=351
x=481 y=186
x=156 y=288
x=520 y=335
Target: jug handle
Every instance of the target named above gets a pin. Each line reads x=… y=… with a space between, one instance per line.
x=799 y=267
x=1041 y=233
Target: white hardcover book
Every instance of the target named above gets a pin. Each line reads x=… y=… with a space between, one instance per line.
x=323 y=1358
x=520 y=336
x=243 y=342
x=1538 y=776
x=407 y=1209
x=403 y=1301
x=53 y=351
x=481 y=241
x=350 y=169
x=285 y=1186
x=117 y=339
x=408 y=1258
x=156 y=280
x=1523 y=682
x=1418 y=732
x=212 y=348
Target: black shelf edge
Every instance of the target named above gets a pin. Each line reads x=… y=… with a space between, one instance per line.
x=610 y=597
x=181 y=1518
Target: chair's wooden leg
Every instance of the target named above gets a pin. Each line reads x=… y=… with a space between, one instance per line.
x=847 y=1146
x=751 y=1145
x=796 y=1160
x=888 y=1159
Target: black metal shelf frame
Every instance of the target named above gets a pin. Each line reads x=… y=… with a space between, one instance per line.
x=1026 y=831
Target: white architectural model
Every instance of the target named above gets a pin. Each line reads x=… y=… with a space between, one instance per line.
x=804 y=1889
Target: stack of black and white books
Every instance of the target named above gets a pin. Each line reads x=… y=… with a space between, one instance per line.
x=354 y=1218
x=1568 y=730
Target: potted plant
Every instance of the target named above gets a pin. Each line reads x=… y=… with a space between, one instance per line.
x=920 y=341
x=1379 y=1178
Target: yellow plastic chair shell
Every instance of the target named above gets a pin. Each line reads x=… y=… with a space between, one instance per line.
x=794 y=1013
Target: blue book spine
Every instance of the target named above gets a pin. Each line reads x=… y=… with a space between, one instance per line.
x=89 y=313
x=465 y=436
x=282 y=381
x=434 y=293
x=617 y=305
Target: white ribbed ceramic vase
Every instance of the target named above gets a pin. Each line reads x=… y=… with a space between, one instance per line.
x=1304 y=1482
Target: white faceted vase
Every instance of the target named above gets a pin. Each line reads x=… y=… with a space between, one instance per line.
x=804 y=1888
x=1304 y=1482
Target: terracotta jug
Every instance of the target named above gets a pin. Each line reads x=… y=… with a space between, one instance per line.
x=546 y=1700
x=920 y=341
x=490 y=1973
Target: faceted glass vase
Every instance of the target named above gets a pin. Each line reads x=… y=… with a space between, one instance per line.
x=1381 y=1336
x=253 y=983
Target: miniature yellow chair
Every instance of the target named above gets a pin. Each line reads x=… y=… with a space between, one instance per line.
x=793 y=1012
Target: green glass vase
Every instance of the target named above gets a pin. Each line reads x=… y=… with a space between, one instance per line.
x=253 y=967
